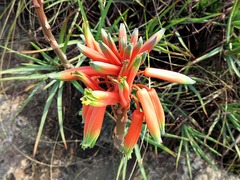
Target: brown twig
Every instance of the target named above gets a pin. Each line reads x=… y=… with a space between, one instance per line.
x=46 y=29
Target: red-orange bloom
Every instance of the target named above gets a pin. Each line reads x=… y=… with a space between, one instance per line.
x=67 y=75
x=110 y=79
x=100 y=98
x=133 y=133
x=92 y=125
x=149 y=113
x=169 y=76
x=158 y=109
x=105 y=68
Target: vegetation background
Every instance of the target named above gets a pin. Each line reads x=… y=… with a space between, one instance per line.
x=202 y=40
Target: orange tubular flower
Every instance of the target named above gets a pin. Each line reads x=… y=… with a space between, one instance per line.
x=149 y=113
x=92 y=126
x=105 y=68
x=90 y=41
x=67 y=75
x=133 y=133
x=152 y=41
x=134 y=37
x=133 y=69
x=158 y=109
x=104 y=36
x=136 y=49
x=112 y=58
x=127 y=52
x=92 y=54
x=100 y=98
x=87 y=80
x=169 y=76
x=85 y=109
x=113 y=46
x=122 y=39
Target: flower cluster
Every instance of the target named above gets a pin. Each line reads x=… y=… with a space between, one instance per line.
x=109 y=80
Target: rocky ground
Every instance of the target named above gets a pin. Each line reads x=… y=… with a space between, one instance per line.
x=53 y=161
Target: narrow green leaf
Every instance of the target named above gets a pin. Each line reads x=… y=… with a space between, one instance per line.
x=29 y=98
x=60 y=112
x=30 y=58
x=78 y=86
x=49 y=84
x=26 y=70
x=120 y=167
x=179 y=153
x=81 y=9
x=124 y=171
x=29 y=77
x=186 y=148
x=199 y=97
x=103 y=17
x=161 y=146
x=140 y=164
x=44 y=114
x=45 y=56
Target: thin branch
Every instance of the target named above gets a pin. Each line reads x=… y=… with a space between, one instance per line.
x=46 y=29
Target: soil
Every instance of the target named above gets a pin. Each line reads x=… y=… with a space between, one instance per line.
x=53 y=161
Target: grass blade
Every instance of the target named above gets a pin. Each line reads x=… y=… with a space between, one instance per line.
x=30 y=77
x=140 y=164
x=44 y=114
x=60 y=112
x=103 y=17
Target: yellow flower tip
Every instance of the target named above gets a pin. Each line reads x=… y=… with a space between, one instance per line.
x=169 y=76
x=124 y=92
x=100 y=98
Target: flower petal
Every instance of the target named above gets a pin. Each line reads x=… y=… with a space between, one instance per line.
x=133 y=133
x=158 y=109
x=112 y=58
x=105 y=68
x=67 y=75
x=124 y=92
x=99 y=98
x=150 y=115
x=134 y=37
x=169 y=76
x=91 y=53
x=152 y=41
x=92 y=126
